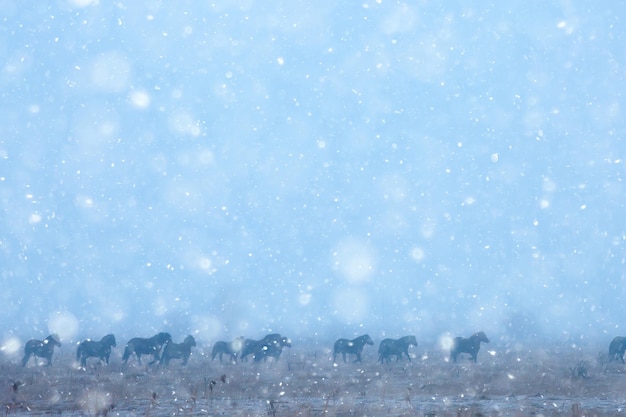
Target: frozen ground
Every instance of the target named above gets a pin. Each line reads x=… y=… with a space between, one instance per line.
x=307 y=383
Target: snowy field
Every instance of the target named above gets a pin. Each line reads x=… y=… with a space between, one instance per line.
x=306 y=382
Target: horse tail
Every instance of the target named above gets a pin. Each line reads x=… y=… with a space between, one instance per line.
x=79 y=350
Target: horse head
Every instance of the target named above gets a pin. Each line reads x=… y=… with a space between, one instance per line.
x=481 y=337
x=109 y=340
x=411 y=340
x=163 y=337
x=54 y=339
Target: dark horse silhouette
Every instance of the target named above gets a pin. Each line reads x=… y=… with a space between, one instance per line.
x=41 y=348
x=91 y=348
x=228 y=348
x=354 y=347
x=469 y=345
x=270 y=346
x=151 y=346
x=617 y=349
x=395 y=347
x=178 y=350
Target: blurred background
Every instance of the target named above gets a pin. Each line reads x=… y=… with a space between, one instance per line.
x=316 y=169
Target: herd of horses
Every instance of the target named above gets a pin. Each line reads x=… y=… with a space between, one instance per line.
x=160 y=347
x=163 y=350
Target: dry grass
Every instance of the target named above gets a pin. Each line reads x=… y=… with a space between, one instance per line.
x=528 y=383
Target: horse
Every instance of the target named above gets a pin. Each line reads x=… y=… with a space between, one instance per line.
x=395 y=347
x=101 y=350
x=469 y=345
x=151 y=346
x=248 y=348
x=41 y=348
x=268 y=346
x=229 y=348
x=617 y=349
x=354 y=347
x=178 y=350
x=271 y=346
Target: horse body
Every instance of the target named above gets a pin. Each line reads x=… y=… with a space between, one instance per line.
x=91 y=348
x=469 y=345
x=395 y=347
x=178 y=350
x=617 y=349
x=41 y=348
x=353 y=347
x=141 y=346
x=229 y=348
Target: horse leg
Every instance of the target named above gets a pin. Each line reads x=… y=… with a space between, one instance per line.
x=128 y=350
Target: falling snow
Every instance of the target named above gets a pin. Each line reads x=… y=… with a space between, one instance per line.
x=224 y=169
